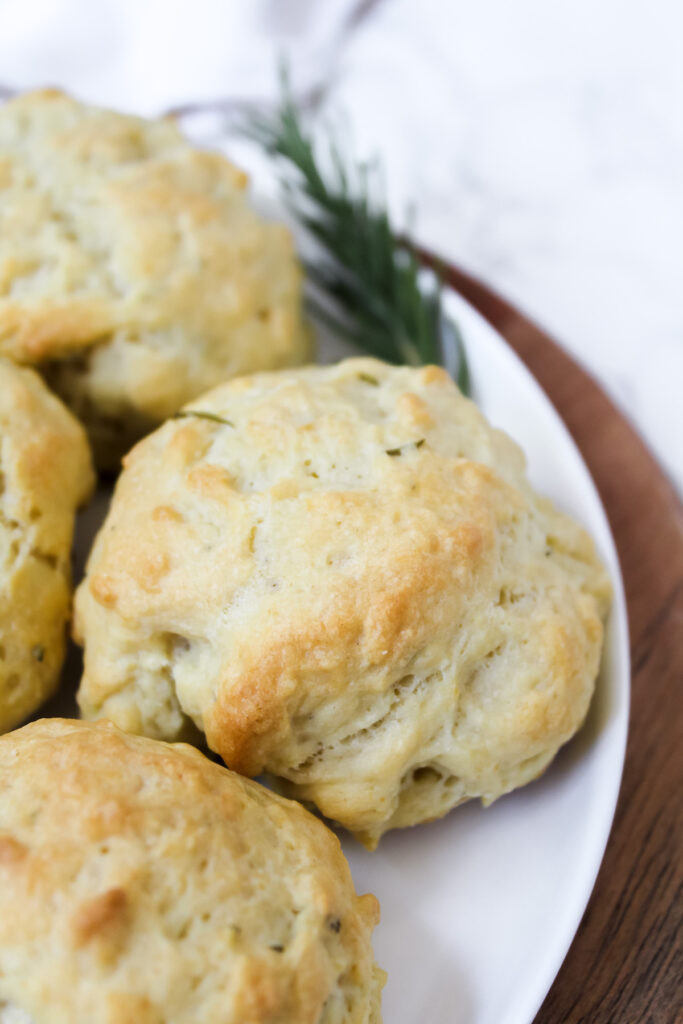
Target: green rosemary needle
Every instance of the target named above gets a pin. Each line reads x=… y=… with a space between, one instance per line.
x=405 y=447
x=200 y=415
x=368 y=283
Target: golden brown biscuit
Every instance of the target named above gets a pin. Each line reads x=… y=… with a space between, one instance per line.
x=133 y=270
x=45 y=473
x=142 y=884
x=349 y=584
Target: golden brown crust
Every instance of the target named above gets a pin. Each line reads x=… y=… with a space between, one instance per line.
x=132 y=269
x=145 y=883
x=45 y=474
x=352 y=587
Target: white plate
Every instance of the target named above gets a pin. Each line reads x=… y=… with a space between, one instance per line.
x=479 y=909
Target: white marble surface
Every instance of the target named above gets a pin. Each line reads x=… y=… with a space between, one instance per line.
x=540 y=144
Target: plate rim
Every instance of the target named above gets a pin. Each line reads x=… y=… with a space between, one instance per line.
x=527 y=1009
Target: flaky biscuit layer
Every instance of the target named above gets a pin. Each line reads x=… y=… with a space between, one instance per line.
x=133 y=270
x=140 y=883
x=45 y=474
x=345 y=580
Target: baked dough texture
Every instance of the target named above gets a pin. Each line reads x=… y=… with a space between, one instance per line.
x=140 y=883
x=133 y=270
x=45 y=473
x=351 y=586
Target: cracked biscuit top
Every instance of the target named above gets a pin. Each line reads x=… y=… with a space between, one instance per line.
x=343 y=577
x=133 y=271
x=140 y=883
x=45 y=474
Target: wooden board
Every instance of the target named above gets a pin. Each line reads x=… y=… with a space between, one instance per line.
x=626 y=963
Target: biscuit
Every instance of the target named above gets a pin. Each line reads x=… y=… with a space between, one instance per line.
x=133 y=271
x=140 y=883
x=349 y=584
x=45 y=473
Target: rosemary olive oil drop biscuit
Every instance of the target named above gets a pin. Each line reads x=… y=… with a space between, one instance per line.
x=133 y=271
x=140 y=883
x=45 y=474
x=343 y=577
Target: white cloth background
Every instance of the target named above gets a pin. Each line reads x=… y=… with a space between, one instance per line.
x=541 y=144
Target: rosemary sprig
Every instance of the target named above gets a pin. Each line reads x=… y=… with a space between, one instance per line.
x=366 y=277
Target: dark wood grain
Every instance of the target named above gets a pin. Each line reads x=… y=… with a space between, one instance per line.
x=626 y=963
